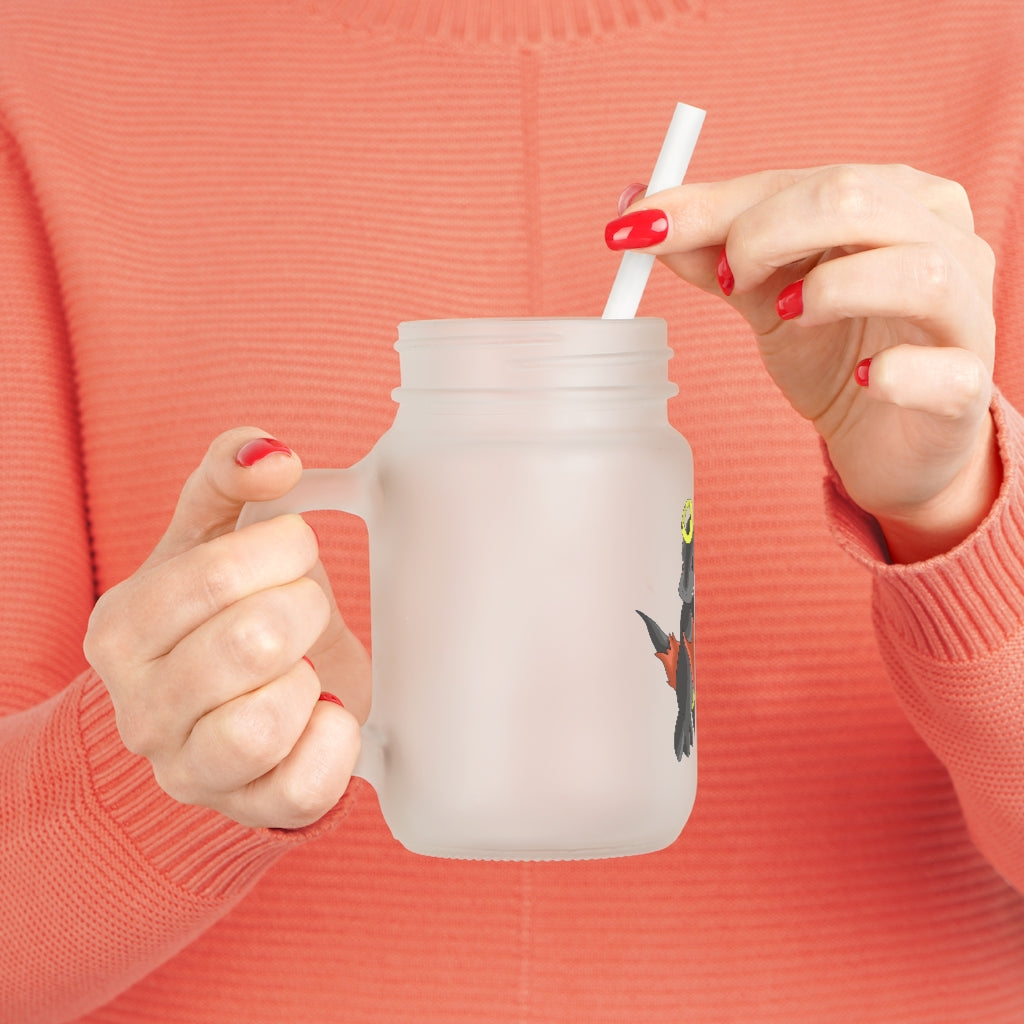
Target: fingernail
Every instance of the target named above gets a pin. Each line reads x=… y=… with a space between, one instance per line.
x=309 y=663
x=637 y=230
x=861 y=373
x=790 y=303
x=629 y=194
x=331 y=698
x=724 y=274
x=252 y=451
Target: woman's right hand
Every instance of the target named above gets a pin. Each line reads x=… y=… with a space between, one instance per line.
x=871 y=299
x=203 y=650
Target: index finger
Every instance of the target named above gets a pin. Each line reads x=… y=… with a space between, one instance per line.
x=171 y=599
x=701 y=214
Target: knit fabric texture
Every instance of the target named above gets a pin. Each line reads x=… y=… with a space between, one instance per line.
x=215 y=214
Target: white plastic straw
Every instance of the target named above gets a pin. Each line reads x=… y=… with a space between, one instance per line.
x=674 y=158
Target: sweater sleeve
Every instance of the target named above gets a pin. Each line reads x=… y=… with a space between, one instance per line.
x=102 y=876
x=951 y=631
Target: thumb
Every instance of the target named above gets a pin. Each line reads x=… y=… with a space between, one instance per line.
x=241 y=465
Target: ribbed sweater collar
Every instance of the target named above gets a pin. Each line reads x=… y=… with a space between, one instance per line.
x=525 y=22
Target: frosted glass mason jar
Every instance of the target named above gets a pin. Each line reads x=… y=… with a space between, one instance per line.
x=530 y=519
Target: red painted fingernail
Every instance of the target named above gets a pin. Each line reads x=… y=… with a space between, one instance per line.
x=309 y=663
x=628 y=195
x=861 y=373
x=637 y=230
x=724 y=274
x=331 y=698
x=790 y=303
x=252 y=451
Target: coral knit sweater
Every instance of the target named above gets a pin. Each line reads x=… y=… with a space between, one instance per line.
x=214 y=214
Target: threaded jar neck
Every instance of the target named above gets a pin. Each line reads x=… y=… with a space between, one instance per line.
x=533 y=360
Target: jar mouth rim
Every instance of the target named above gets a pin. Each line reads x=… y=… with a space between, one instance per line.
x=531 y=320
x=541 y=394
x=553 y=336
x=474 y=326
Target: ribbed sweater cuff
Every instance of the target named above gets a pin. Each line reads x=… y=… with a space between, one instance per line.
x=964 y=603
x=194 y=848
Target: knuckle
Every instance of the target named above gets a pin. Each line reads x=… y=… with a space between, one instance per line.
x=903 y=173
x=142 y=729
x=950 y=201
x=254 y=641
x=778 y=180
x=104 y=642
x=326 y=769
x=954 y=196
x=971 y=382
x=848 y=194
x=262 y=635
x=178 y=783
x=958 y=385
x=96 y=643
x=931 y=271
x=135 y=732
x=221 y=581
x=309 y=795
x=254 y=733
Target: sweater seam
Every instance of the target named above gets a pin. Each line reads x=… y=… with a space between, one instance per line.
x=14 y=153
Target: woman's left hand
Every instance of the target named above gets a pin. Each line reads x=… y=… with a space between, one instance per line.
x=870 y=297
